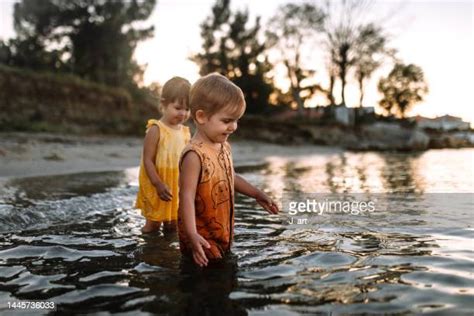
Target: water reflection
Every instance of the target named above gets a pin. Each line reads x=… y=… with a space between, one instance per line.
x=77 y=242
x=274 y=175
x=207 y=291
x=447 y=170
x=159 y=249
x=400 y=173
x=336 y=179
x=345 y=173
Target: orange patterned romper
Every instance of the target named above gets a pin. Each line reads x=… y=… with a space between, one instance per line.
x=214 y=202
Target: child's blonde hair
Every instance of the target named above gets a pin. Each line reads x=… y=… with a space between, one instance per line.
x=214 y=92
x=175 y=90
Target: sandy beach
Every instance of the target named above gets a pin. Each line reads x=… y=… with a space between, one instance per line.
x=26 y=154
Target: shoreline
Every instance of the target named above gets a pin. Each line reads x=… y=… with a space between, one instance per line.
x=25 y=155
x=29 y=155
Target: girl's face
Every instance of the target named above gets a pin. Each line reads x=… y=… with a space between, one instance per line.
x=219 y=126
x=175 y=113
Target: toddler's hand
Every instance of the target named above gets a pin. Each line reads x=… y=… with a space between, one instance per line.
x=197 y=242
x=266 y=202
x=163 y=191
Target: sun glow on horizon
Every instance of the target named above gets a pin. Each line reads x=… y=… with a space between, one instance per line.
x=443 y=50
x=421 y=40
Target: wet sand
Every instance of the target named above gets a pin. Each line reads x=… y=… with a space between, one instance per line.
x=27 y=154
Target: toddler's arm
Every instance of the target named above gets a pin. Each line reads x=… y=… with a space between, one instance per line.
x=242 y=186
x=188 y=181
x=152 y=138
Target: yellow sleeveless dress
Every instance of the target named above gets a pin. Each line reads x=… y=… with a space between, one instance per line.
x=170 y=146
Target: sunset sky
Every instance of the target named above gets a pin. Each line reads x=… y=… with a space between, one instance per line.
x=436 y=35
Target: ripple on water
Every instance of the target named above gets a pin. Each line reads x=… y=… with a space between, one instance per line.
x=363 y=275
x=420 y=299
x=283 y=270
x=53 y=252
x=441 y=281
x=96 y=292
x=76 y=241
x=101 y=275
x=324 y=260
x=45 y=210
x=29 y=283
x=145 y=267
x=10 y=272
x=455 y=266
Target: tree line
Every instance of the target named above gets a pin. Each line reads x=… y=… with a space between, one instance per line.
x=95 y=39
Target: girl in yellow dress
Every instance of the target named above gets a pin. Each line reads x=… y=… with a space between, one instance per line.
x=164 y=141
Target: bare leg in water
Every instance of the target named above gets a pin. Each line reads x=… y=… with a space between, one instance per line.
x=151 y=226
x=170 y=226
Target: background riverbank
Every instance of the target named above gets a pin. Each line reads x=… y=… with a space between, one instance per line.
x=377 y=135
x=65 y=104
x=35 y=154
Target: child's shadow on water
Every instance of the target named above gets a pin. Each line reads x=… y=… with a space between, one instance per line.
x=179 y=286
x=207 y=290
x=159 y=249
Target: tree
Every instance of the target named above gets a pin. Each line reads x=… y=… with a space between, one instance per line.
x=352 y=44
x=340 y=37
x=234 y=49
x=288 y=31
x=402 y=89
x=370 y=49
x=94 y=39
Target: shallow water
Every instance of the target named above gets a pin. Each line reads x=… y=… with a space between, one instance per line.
x=75 y=240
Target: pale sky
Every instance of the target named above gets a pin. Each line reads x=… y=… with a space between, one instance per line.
x=436 y=35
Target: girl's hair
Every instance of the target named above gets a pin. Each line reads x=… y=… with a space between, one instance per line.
x=214 y=92
x=175 y=90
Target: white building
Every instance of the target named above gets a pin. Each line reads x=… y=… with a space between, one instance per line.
x=343 y=114
x=444 y=123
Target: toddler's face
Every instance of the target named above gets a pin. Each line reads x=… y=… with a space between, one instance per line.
x=222 y=124
x=175 y=113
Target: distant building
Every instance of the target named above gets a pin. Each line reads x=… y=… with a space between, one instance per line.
x=333 y=113
x=366 y=110
x=443 y=123
x=341 y=114
x=315 y=113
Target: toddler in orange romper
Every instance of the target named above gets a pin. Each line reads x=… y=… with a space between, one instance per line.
x=207 y=179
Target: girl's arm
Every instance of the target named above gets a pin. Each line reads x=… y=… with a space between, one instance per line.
x=188 y=181
x=150 y=146
x=242 y=186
